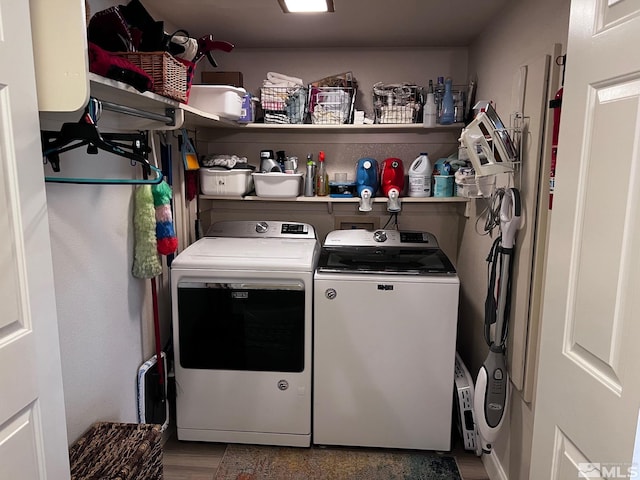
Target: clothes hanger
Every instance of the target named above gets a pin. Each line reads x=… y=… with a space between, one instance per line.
x=85 y=132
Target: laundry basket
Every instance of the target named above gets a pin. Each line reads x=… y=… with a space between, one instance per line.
x=331 y=105
x=396 y=103
x=283 y=104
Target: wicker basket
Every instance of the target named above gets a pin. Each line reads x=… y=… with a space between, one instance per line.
x=168 y=74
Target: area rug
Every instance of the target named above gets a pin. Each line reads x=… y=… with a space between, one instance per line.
x=252 y=462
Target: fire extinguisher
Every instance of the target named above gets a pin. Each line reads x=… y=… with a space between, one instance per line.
x=556 y=104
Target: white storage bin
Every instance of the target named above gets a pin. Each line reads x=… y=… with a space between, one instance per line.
x=214 y=181
x=280 y=185
x=222 y=100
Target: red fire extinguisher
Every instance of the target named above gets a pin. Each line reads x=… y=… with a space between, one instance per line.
x=556 y=104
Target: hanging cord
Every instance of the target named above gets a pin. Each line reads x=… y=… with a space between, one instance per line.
x=490 y=304
x=497 y=255
x=394 y=217
x=492 y=211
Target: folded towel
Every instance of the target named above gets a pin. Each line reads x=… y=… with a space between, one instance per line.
x=224 y=161
x=276 y=118
x=275 y=79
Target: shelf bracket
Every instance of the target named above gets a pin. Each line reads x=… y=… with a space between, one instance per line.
x=467 y=209
x=330 y=207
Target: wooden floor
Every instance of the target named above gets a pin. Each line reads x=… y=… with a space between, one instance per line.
x=199 y=461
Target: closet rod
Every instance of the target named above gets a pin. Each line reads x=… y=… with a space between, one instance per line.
x=115 y=107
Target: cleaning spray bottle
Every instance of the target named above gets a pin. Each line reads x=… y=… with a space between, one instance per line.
x=310 y=178
x=430 y=108
x=322 y=178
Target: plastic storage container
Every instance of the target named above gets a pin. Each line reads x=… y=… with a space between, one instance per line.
x=222 y=100
x=215 y=181
x=443 y=186
x=278 y=185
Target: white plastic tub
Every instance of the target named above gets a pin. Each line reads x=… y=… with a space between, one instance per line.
x=222 y=100
x=231 y=183
x=279 y=185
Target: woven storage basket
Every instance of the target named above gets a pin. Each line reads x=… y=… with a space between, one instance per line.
x=168 y=74
x=117 y=451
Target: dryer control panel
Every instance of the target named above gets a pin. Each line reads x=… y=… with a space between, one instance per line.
x=261 y=229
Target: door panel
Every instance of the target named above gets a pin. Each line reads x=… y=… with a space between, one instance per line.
x=617 y=11
x=588 y=392
x=12 y=320
x=33 y=442
x=603 y=225
x=19 y=455
x=569 y=462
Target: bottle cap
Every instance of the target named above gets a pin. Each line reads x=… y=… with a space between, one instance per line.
x=321 y=157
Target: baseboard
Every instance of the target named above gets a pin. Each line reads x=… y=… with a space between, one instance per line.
x=493 y=467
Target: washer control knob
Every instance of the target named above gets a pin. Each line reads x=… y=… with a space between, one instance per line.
x=380 y=236
x=262 y=227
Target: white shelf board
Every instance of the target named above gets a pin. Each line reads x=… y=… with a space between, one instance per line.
x=379 y=128
x=254 y=198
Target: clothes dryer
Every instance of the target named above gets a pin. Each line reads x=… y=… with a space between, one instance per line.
x=242 y=325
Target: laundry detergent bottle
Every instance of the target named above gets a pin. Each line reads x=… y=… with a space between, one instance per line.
x=392 y=182
x=366 y=182
x=420 y=176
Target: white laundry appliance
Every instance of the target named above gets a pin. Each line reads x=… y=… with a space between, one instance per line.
x=385 y=317
x=242 y=326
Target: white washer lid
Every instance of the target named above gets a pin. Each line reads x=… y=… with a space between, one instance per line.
x=257 y=254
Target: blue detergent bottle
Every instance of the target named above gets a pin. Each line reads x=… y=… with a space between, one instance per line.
x=448 y=112
x=367 y=176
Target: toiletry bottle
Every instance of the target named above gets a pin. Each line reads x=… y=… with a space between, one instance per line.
x=322 y=178
x=447 y=115
x=310 y=178
x=429 y=111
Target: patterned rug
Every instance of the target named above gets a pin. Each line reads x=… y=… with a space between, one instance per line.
x=251 y=462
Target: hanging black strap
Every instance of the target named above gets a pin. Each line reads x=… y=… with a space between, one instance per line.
x=490 y=304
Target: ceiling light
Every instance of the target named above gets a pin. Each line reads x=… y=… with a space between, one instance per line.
x=306 y=6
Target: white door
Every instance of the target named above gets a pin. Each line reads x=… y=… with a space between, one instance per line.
x=33 y=440
x=588 y=393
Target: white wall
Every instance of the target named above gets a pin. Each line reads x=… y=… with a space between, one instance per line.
x=99 y=304
x=524 y=31
x=104 y=313
x=390 y=65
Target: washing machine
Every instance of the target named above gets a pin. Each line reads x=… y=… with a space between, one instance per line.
x=242 y=324
x=385 y=318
